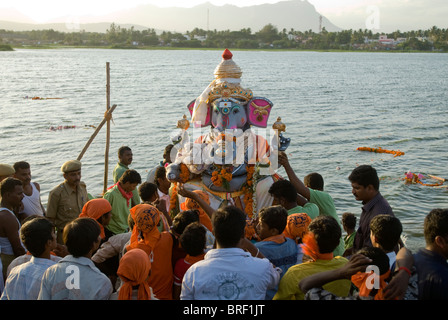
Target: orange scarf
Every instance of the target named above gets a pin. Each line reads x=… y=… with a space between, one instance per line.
x=94 y=209
x=361 y=279
x=280 y=238
x=193 y=259
x=297 y=226
x=146 y=218
x=134 y=269
x=311 y=248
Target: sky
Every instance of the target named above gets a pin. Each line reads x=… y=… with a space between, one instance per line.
x=347 y=14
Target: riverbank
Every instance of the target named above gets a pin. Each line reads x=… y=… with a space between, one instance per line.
x=130 y=47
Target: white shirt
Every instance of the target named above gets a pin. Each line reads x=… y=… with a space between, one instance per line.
x=229 y=274
x=75 y=279
x=165 y=197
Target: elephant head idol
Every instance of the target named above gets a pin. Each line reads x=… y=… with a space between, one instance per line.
x=226 y=156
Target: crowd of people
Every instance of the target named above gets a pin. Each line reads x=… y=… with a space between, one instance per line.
x=128 y=245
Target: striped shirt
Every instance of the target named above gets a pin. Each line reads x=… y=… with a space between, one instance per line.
x=23 y=283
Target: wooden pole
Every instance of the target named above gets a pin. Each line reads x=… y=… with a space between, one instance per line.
x=106 y=153
x=107 y=115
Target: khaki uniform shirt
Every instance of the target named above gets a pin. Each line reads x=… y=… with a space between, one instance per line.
x=65 y=204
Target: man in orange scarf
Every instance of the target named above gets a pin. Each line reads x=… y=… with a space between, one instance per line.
x=374 y=283
x=318 y=244
x=157 y=245
x=99 y=210
x=134 y=270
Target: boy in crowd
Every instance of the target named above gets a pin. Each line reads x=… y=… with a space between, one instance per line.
x=280 y=250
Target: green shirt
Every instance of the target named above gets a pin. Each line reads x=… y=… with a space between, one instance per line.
x=288 y=288
x=309 y=208
x=348 y=240
x=326 y=207
x=118 y=172
x=120 y=211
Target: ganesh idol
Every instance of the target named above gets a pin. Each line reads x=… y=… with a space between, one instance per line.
x=228 y=157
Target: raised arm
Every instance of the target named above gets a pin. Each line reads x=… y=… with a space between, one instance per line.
x=297 y=183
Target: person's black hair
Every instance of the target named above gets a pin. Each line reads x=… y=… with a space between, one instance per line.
x=228 y=226
x=283 y=189
x=80 y=235
x=131 y=176
x=35 y=232
x=436 y=224
x=122 y=150
x=365 y=175
x=147 y=190
x=378 y=256
x=349 y=220
x=193 y=239
x=387 y=229
x=275 y=217
x=183 y=219
x=21 y=165
x=314 y=181
x=327 y=233
x=9 y=185
x=160 y=173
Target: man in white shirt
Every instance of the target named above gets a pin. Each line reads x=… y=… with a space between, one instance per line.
x=76 y=277
x=229 y=272
x=23 y=282
x=31 y=201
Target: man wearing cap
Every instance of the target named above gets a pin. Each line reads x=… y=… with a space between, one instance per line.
x=65 y=202
x=6 y=171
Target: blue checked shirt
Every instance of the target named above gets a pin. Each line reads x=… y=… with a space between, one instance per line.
x=23 y=282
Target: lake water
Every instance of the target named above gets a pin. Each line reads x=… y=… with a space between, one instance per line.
x=331 y=103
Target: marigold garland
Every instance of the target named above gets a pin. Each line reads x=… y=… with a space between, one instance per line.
x=396 y=153
x=173 y=199
x=220 y=177
x=184 y=173
x=248 y=189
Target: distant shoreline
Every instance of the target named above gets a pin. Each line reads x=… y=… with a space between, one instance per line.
x=50 y=47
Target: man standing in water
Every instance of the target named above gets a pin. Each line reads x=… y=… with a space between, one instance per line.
x=65 y=202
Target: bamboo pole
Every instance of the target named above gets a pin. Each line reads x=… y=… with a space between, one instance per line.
x=106 y=153
x=107 y=115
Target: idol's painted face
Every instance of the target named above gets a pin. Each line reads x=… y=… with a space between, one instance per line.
x=228 y=115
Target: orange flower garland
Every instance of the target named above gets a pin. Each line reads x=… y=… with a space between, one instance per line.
x=222 y=177
x=249 y=191
x=396 y=153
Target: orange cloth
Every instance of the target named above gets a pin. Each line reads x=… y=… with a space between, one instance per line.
x=146 y=218
x=194 y=259
x=94 y=209
x=297 y=226
x=280 y=238
x=190 y=204
x=161 y=278
x=134 y=269
x=361 y=279
x=311 y=248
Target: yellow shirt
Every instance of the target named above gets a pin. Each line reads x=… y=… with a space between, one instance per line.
x=65 y=203
x=288 y=288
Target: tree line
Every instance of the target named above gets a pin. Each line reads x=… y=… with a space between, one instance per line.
x=267 y=37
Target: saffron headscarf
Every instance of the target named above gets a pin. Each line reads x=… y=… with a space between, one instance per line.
x=145 y=233
x=310 y=247
x=133 y=270
x=95 y=209
x=190 y=204
x=297 y=226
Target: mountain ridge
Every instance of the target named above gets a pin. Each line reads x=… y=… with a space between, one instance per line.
x=293 y=14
